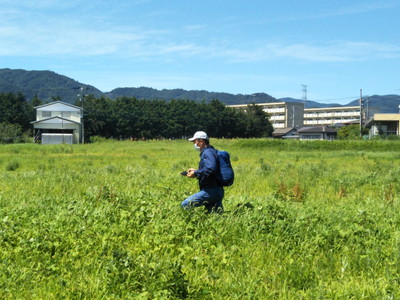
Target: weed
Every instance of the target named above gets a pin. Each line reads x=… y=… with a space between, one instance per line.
x=342 y=192
x=388 y=193
x=12 y=165
x=297 y=193
x=103 y=221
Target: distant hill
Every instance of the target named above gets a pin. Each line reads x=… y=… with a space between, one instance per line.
x=312 y=104
x=150 y=93
x=48 y=85
x=380 y=104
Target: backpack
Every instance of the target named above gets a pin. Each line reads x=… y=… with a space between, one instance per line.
x=225 y=173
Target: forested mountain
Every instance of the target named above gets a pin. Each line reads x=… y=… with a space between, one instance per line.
x=48 y=86
x=311 y=104
x=198 y=96
x=380 y=104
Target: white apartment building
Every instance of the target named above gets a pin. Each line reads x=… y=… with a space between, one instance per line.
x=331 y=115
x=281 y=114
x=293 y=114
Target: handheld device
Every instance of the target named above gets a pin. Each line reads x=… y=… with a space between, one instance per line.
x=184 y=173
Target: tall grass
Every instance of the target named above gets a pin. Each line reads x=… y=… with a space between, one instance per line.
x=302 y=221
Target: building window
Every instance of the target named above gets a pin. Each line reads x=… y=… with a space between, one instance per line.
x=66 y=114
x=311 y=137
x=46 y=114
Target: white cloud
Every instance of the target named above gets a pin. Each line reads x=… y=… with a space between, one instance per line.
x=362 y=8
x=37 y=40
x=74 y=39
x=339 y=51
x=25 y=34
x=350 y=9
x=195 y=27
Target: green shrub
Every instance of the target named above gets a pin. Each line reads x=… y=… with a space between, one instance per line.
x=12 y=165
x=13 y=133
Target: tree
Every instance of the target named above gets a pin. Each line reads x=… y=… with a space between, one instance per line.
x=152 y=120
x=350 y=132
x=10 y=133
x=98 y=119
x=126 y=112
x=224 y=121
x=36 y=101
x=15 y=110
x=258 y=124
x=180 y=118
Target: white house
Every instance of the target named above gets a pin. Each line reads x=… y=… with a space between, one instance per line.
x=58 y=122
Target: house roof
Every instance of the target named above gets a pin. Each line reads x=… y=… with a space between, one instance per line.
x=55 y=120
x=317 y=129
x=282 y=131
x=58 y=106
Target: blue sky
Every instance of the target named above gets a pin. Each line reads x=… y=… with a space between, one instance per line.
x=334 y=47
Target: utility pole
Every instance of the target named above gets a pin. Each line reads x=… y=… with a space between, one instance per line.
x=361 y=112
x=82 y=98
x=304 y=98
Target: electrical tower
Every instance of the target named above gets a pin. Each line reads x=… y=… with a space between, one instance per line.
x=304 y=98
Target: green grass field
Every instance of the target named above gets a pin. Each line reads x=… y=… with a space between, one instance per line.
x=304 y=220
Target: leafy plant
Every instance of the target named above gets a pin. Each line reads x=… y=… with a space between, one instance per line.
x=303 y=220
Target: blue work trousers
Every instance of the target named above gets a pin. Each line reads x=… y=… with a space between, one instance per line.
x=211 y=198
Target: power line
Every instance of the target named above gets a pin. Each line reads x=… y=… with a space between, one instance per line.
x=336 y=99
x=304 y=96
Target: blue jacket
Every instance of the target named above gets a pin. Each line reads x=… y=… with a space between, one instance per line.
x=208 y=169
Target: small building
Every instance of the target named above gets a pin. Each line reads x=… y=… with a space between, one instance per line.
x=384 y=124
x=58 y=122
x=285 y=133
x=317 y=133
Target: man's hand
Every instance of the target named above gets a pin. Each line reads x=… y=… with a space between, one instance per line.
x=190 y=173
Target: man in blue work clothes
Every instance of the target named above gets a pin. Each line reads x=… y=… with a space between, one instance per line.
x=211 y=192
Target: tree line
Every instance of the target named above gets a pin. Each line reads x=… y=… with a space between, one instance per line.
x=130 y=118
x=15 y=117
